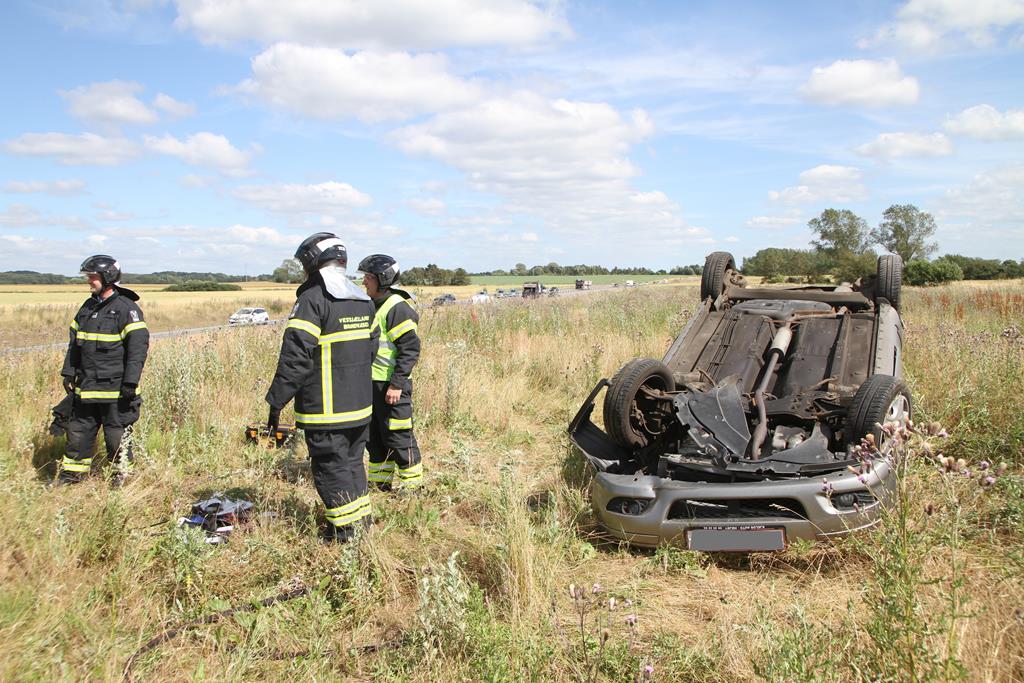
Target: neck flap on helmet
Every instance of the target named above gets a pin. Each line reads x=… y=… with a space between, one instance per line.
x=337 y=283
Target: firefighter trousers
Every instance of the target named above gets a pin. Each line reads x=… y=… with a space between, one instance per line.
x=336 y=457
x=83 y=426
x=394 y=454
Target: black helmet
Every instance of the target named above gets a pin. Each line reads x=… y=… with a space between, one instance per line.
x=105 y=266
x=320 y=248
x=383 y=266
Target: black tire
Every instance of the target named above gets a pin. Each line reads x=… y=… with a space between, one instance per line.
x=880 y=399
x=889 y=284
x=622 y=396
x=714 y=276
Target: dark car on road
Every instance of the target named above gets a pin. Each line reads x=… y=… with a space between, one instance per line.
x=742 y=437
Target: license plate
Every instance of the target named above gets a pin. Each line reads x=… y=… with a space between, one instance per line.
x=733 y=539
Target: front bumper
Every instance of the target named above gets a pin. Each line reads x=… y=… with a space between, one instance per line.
x=667 y=509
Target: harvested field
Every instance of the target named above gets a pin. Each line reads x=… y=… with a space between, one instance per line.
x=496 y=571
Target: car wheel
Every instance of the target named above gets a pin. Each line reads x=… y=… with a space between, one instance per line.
x=718 y=266
x=879 y=400
x=627 y=406
x=889 y=284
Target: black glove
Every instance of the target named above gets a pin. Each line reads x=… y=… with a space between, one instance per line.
x=128 y=391
x=69 y=385
x=273 y=419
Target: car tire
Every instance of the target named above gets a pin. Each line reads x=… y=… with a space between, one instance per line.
x=715 y=274
x=621 y=396
x=880 y=399
x=889 y=284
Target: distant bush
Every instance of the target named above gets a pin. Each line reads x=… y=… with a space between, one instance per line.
x=921 y=272
x=202 y=286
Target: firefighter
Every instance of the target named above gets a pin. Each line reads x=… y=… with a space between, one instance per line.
x=328 y=346
x=395 y=461
x=109 y=340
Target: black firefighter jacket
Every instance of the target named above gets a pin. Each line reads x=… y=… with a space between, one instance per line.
x=108 y=344
x=328 y=347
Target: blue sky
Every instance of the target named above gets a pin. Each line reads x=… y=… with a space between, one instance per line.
x=215 y=136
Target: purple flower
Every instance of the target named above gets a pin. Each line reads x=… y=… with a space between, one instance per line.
x=648 y=672
x=630 y=620
x=862 y=479
x=983 y=465
x=988 y=481
x=596 y=589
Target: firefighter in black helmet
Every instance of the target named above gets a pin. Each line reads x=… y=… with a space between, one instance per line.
x=395 y=461
x=109 y=340
x=328 y=346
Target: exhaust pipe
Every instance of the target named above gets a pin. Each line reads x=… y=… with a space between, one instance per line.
x=777 y=351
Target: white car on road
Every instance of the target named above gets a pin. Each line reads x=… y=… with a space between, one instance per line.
x=249 y=316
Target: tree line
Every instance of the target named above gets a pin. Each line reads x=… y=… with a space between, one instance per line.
x=842 y=251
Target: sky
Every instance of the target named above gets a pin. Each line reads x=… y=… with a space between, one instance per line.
x=203 y=135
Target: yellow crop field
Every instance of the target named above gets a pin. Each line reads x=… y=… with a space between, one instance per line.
x=497 y=571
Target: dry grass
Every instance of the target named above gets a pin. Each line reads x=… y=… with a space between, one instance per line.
x=87 y=574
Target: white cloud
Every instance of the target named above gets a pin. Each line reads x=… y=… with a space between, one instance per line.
x=109 y=105
x=173 y=107
x=561 y=167
x=56 y=188
x=194 y=180
x=72 y=150
x=894 y=145
x=985 y=122
x=326 y=83
x=357 y=24
x=293 y=198
x=205 y=149
x=824 y=183
x=861 y=82
x=23 y=216
x=784 y=220
x=929 y=25
x=427 y=206
x=991 y=199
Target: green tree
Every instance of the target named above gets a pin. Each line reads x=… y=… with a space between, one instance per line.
x=839 y=231
x=906 y=230
x=460 y=277
x=290 y=270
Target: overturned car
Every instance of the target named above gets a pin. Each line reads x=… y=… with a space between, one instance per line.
x=741 y=438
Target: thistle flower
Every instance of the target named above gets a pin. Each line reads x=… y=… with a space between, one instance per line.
x=826 y=486
x=983 y=465
x=630 y=620
x=596 y=588
x=1001 y=469
x=648 y=672
x=572 y=591
x=988 y=481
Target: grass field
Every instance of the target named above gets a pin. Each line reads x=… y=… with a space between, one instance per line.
x=496 y=572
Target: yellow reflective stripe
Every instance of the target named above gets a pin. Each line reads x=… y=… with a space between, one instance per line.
x=350 y=512
x=72 y=465
x=350 y=335
x=326 y=378
x=411 y=471
x=74 y=324
x=97 y=394
x=380 y=472
x=401 y=328
x=304 y=325
x=131 y=327
x=98 y=336
x=324 y=418
x=395 y=425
